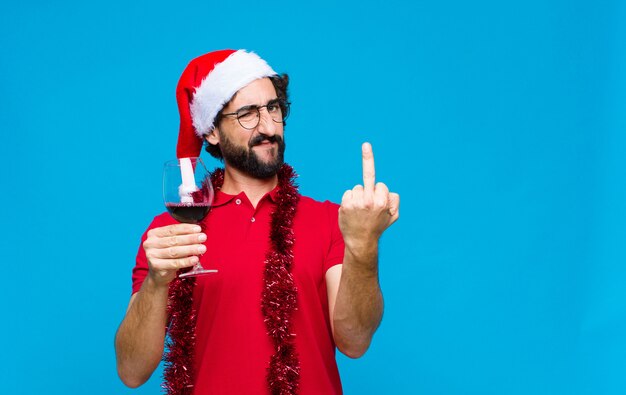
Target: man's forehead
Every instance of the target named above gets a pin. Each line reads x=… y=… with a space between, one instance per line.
x=257 y=92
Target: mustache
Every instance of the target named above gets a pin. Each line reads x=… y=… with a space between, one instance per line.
x=261 y=138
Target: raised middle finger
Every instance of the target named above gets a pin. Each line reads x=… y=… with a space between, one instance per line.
x=369 y=171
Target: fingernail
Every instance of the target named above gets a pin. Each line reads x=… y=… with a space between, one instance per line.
x=194 y=259
x=201 y=237
x=201 y=249
x=197 y=229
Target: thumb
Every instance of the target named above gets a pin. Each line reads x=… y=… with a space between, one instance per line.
x=394 y=206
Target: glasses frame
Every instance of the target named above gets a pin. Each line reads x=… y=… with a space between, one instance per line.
x=282 y=103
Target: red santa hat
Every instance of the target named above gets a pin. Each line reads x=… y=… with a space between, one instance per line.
x=206 y=85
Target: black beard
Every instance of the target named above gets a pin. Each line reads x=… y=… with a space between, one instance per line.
x=247 y=161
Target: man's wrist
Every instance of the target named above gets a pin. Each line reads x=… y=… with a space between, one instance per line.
x=153 y=286
x=362 y=255
x=362 y=248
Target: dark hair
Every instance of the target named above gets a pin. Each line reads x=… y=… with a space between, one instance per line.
x=280 y=82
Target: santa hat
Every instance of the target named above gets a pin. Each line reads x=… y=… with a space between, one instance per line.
x=206 y=85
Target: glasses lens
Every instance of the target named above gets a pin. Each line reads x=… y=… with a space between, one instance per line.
x=284 y=107
x=248 y=118
x=275 y=111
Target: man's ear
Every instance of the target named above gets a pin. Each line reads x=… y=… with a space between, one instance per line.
x=213 y=137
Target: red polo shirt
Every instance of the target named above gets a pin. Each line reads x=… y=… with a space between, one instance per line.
x=232 y=347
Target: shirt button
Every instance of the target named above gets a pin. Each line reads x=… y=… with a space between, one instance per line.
x=252 y=219
x=238 y=201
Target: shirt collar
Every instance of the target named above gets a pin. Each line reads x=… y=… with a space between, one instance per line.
x=222 y=198
x=273 y=194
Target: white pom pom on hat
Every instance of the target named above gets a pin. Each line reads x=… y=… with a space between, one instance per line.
x=206 y=85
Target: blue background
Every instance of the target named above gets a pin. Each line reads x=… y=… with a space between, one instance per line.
x=501 y=124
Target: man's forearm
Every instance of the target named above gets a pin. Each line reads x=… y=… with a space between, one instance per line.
x=359 y=305
x=140 y=337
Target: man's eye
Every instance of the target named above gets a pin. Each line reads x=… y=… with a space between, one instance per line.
x=246 y=114
x=273 y=107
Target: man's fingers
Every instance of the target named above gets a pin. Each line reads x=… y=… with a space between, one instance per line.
x=394 y=205
x=196 y=238
x=369 y=171
x=173 y=230
x=347 y=198
x=173 y=241
x=357 y=191
x=174 y=264
x=381 y=195
x=176 y=252
x=185 y=262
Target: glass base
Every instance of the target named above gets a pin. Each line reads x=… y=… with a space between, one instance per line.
x=197 y=271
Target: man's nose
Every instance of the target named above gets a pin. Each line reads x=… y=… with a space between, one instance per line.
x=266 y=125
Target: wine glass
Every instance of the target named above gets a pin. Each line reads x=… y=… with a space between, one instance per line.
x=188 y=195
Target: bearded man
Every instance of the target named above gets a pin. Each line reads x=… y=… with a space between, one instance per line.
x=296 y=278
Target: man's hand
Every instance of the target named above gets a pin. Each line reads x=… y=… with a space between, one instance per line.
x=355 y=301
x=367 y=210
x=173 y=247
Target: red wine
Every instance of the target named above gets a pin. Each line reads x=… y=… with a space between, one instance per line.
x=190 y=213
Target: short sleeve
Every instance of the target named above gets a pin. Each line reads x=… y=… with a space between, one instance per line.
x=336 y=247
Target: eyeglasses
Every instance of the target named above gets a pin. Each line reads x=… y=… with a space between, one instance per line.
x=250 y=116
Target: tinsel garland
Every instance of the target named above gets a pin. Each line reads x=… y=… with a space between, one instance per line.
x=279 y=292
x=278 y=302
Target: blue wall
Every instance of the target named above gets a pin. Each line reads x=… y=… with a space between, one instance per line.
x=502 y=125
